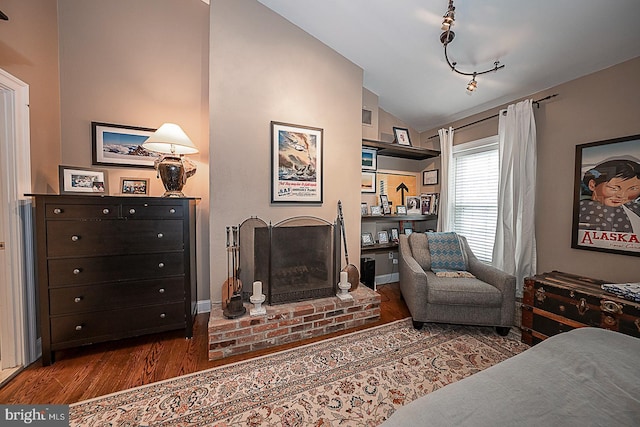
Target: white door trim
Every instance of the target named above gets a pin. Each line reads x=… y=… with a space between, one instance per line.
x=17 y=317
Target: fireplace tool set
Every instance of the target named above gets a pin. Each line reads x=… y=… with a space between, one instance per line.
x=232 y=306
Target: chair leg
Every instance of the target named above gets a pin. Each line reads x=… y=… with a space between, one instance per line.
x=417 y=325
x=503 y=331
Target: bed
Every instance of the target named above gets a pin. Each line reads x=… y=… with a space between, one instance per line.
x=586 y=377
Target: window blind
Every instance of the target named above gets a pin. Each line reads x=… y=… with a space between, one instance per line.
x=475 y=198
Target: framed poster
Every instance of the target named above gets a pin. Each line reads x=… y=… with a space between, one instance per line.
x=606 y=203
x=120 y=145
x=296 y=163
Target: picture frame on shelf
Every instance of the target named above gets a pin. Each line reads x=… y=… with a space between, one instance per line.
x=135 y=186
x=383 y=237
x=401 y=210
x=296 y=163
x=364 y=209
x=367 y=239
x=369 y=159
x=430 y=177
x=376 y=210
x=413 y=205
x=368 y=183
x=394 y=235
x=384 y=202
x=408 y=231
x=401 y=136
x=81 y=180
x=121 y=145
x=606 y=196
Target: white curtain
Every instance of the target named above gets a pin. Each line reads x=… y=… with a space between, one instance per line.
x=446 y=159
x=514 y=250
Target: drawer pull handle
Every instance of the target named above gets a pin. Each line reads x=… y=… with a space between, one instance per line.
x=160 y=235
x=76 y=271
x=609 y=320
x=172 y=211
x=611 y=307
x=132 y=211
x=162 y=315
x=57 y=211
x=79 y=328
x=161 y=265
x=562 y=308
x=77 y=299
x=582 y=306
x=75 y=238
x=105 y=211
x=161 y=290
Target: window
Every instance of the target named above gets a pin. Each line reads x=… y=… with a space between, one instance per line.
x=475 y=172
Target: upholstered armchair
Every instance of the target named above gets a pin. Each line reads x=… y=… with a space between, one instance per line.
x=487 y=299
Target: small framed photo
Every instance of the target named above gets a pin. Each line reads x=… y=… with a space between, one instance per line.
x=394 y=235
x=136 y=186
x=368 y=184
x=408 y=231
x=383 y=237
x=364 y=209
x=367 y=239
x=430 y=177
x=384 y=201
x=369 y=159
x=401 y=210
x=402 y=136
x=79 y=180
x=376 y=210
x=413 y=205
x=119 y=145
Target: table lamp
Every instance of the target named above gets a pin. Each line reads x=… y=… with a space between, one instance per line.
x=171 y=141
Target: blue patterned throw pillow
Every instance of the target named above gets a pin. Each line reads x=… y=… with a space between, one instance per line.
x=446 y=252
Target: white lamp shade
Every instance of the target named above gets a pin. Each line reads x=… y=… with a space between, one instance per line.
x=170 y=139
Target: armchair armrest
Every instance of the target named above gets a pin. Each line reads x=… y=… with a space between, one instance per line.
x=413 y=279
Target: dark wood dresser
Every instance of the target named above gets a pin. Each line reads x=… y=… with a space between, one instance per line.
x=557 y=302
x=113 y=267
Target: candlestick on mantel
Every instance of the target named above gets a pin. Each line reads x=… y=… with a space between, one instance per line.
x=344 y=286
x=257 y=299
x=257 y=288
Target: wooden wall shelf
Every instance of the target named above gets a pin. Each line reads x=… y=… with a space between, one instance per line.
x=397 y=150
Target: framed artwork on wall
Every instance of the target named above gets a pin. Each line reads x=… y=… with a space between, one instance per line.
x=402 y=136
x=430 y=177
x=81 y=180
x=369 y=159
x=120 y=145
x=606 y=202
x=296 y=163
x=368 y=183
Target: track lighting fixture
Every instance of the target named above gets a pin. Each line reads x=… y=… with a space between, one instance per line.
x=447 y=37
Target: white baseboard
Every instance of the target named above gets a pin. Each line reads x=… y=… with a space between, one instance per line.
x=387 y=278
x=204 y=306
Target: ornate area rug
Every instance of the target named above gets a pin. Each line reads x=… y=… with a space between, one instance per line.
x=358 y=379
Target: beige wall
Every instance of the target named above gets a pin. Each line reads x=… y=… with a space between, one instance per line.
x=29 y=51
x=596 y=107
x=263 y=68
x=138 y=63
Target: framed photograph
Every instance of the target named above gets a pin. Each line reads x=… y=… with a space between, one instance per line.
x=430 y=177
x=413 y=205
x=119 y=145
x=135 y=186
x=367 y=239
x=368 y=183
x=383 y=237
x=402 y=136
x=401 y=210
x=364 y=208
x=408 y=231
x=606 y=199
x=376 y=210
x=296 y=163
x=86 y=181
x=384 y=201
x=394 y=235
x=369 y=159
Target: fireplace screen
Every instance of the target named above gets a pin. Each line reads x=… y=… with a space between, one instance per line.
x=296 y=259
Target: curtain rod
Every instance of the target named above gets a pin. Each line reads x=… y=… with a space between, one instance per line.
x=496 y=115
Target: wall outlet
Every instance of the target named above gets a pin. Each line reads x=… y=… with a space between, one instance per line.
x=390 y=255
x=395 y=260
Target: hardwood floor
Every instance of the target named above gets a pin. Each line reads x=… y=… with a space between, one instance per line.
x=91 y=371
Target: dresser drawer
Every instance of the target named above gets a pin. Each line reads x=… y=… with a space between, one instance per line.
x=84 y=238
x=99 y=326
x=146 y=211
x=71 y=211
x=78 y=299
x=81 y=271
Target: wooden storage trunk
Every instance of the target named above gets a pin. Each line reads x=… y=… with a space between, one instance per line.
x=558 y=302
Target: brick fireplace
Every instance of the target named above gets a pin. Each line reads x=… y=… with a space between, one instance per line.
x=292 y=322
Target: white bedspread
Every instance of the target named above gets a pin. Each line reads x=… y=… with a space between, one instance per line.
x=586 y=377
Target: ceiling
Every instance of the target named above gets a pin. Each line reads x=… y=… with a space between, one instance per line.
x=542 y=43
